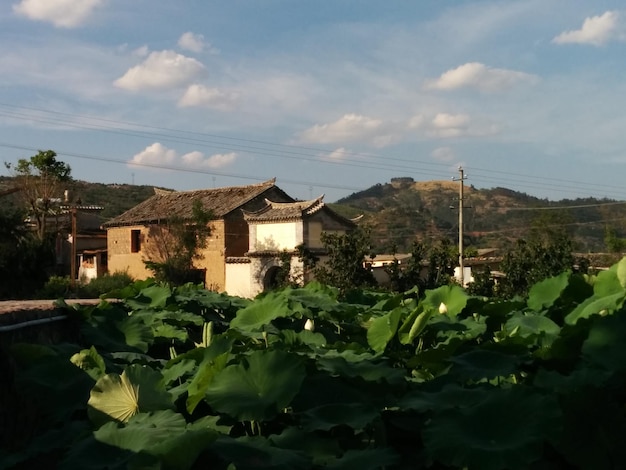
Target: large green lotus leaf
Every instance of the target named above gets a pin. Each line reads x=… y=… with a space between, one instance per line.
x=119 y=397
x=117 y=332
x=452 y=296
x=543 y=294
x=155 y=296
x=163 y=434
x=170 y=332
x=388 y=304
x=483 y=364
x=326 y=417
x=178 y=317
x=259 y=387
x=506 y=430
x=364 y=459
x=450 y=396
x=205 y=374
x=604 y=346
x=596 y=305
x=382 y=329
x=304 y=337
x=56 y=387
x=261 y=312
x=252 y=453
x=532 y=325
x=175 y=371
x=607 y=282
x=320 y=447
x=366 y=366
x=90 y=361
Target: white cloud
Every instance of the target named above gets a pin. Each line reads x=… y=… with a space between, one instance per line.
x=199 y=95
x=61 y=13
x=337 y=154
x=351 y=127
x=155 y=154
x=596 y=30
x=161 y=70
x=416 y=121
x=198 y=160
x=445 y=125
x=481 y=77
x=443 y=154
x=158 y=155
x=191 y=42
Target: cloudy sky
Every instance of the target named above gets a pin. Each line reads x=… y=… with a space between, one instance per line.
x=328 y=96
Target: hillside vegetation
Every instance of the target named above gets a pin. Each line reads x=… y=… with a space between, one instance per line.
x=401 y=212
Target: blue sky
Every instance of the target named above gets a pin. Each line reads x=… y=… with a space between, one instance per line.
x=328 y=97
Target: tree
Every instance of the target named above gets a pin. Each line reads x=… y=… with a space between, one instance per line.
x=40 y=178
x=346 y=266
x=442 y=258
x=545 y=253
x=176 y=244
x=403 y=278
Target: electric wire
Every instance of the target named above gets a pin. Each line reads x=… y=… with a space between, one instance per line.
x=281 y=150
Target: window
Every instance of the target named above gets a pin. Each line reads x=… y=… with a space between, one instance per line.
x=135 y=241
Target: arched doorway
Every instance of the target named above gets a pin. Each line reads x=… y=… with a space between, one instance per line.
x=270 y=280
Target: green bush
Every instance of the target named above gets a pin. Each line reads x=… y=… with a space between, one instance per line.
x=105 y=284
x=55 y=287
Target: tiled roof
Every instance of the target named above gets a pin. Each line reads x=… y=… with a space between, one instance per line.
x=285 y=210
x=219 y=201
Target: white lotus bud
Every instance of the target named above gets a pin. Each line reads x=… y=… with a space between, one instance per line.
x=442 y=308
x=309 y=325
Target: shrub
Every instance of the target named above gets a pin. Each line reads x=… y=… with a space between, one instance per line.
x=105 y=284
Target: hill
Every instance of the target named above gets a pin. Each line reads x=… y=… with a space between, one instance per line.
x=404 y=210
x=115 y=198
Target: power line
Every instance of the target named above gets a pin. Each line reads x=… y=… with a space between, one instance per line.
x=271 y=149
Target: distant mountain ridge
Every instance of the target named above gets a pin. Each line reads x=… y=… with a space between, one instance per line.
x=404 y=210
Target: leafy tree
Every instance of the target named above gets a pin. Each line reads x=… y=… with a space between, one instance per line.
x=404 y=278
x=442 y=258
x=176 y=244
x=613 y=243
x=545 y=253
x=483 y=283
x=347 y=254
x=40 y=178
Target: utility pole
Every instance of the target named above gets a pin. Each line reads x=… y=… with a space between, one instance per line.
x=460 y=179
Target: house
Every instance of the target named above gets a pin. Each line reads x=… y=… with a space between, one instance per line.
x=254 y=227
x=276 y=230
x=130 y=235
x=81 y=242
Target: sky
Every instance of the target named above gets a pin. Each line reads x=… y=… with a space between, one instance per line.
x=329 y=97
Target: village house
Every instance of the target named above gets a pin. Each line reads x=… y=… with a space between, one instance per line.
x=252 y=227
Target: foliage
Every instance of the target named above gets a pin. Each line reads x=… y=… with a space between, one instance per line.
x=346 y=264
x=613 y=243
x=176 y=243
x=105 y=284
x=61 y=286
x=545 y=253
x=26 y=262
x=186 y=378
x=40 y=178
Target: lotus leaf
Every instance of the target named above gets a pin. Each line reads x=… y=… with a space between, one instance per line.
x=120 y=397
x=545 y=293
x=506 y=430
x=263 y=384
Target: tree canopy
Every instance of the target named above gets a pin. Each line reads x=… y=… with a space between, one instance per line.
x=40 y=178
